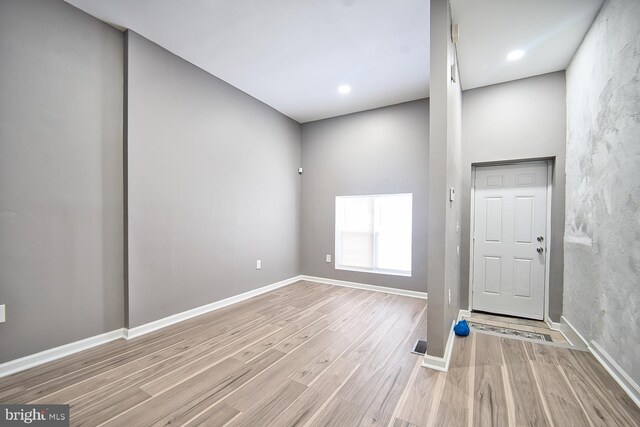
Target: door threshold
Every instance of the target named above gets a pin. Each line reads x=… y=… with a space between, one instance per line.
x=510 y=316
x=564 y=344
x=508 y=319
x=522 y=326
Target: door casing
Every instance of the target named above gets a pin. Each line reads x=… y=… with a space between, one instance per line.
x=547 y=243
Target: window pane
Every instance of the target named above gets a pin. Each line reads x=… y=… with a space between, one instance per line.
x=358 y=214
x=354 y=219
x=373 y=233
x=356 y=249
x=393 y=237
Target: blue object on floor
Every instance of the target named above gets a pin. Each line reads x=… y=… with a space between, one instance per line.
x=461 y=329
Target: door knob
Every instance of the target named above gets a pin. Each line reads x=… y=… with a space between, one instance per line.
x=540 y=250
x=540 y=238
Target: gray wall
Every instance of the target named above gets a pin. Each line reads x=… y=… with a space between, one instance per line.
x=444 y=172
x=380 y=151
x=213 y=186
x=60 y=176
x=602 y=240
x=522 y=119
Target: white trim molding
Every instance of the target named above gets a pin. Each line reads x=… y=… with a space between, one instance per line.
x=556 y=326
x=572 y=335
x=559 y=327
x=441 y=363
x=17 y=365
x=49 y=355
x=626 y=382
x=548 y=239
x=365 y=286
x=611 y=366
x=549 y=163
x=52 y=354
x=179 y=317
x=26 y=362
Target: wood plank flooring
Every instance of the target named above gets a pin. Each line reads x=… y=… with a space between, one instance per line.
x=318 y=355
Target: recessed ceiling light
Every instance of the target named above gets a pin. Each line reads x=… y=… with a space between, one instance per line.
x=344 y=89
x=515 y=55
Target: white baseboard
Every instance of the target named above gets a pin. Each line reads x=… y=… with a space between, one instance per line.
x=17 y=365
x=365 y=286
x=622 y=378
x=464 y=313
x=572 y=335
x=617 y=373
x=441 y=363
x=32 y=360
x=556 y=326
x=179 y=317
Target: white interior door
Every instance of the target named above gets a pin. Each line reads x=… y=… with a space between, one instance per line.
x=509 y=239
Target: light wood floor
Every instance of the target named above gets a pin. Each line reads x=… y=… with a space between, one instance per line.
x=313 y=354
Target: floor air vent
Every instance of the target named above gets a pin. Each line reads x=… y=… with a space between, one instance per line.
x=420 y=348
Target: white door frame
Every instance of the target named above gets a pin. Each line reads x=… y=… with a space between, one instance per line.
x=547 y=242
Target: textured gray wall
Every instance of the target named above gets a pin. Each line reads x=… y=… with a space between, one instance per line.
x=522 y=119
x=445 y=171
x=60 y=176
x=379 y=151
x=213 y=186
x=602 y=240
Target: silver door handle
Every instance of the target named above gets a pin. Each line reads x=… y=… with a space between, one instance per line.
x=540 y=239
x=540 y=250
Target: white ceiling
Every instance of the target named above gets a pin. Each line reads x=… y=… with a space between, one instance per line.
x=549 y=31
x=292 y=54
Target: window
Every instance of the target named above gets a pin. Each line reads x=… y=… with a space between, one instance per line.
x=373 y=233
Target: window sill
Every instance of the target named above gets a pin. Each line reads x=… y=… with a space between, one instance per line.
x=375 y=271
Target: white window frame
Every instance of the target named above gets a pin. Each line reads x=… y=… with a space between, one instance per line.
x=375 y=270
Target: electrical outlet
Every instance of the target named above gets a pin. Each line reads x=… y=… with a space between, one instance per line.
x=328 y=258
x=258 y=264
x=449 y=297
x=3 y=313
